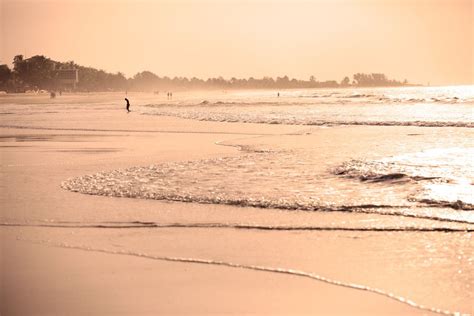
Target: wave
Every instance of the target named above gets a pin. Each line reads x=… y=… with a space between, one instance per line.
x=373 y=172
x=393 y=170
x=357 y=95
x=398 y=123
x=445 y=100
x=291 y=180
x=291 y=272
x=388 y=99
x=338 y=95
x=225 y=117
x=207 y=103
x=100 y=184
x=94 y=185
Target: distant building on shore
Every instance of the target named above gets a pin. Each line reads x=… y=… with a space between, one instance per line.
x=67 y=78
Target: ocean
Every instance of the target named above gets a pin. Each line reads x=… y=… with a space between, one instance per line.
x=337 y=161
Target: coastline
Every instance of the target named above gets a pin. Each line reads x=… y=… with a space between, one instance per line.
x=35 y=162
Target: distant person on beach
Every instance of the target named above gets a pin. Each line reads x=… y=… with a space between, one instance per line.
x=278 y=94
x=128 y=105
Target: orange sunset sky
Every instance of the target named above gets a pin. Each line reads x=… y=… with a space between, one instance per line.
x=421 y=40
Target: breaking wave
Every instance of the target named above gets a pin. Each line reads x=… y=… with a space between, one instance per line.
x=297 y=115
x=444 y=176
x=275 y=180
x=417 y=106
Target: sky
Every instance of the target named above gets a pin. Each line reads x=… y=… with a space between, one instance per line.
x=424 y=41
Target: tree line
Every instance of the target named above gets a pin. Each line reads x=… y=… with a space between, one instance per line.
x=41 y=73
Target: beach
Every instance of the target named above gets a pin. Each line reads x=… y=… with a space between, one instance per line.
x=185 y=207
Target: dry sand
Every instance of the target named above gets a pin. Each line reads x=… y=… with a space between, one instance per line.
x=41 y=273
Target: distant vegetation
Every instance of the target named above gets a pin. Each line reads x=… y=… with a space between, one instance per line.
x=41 y=73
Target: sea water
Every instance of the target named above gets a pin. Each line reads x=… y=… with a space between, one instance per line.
x=417 y=163
x=406 y=152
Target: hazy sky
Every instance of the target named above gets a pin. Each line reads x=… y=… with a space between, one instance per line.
x=421 y=40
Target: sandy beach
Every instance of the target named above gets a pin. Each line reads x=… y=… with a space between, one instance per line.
x=69 y=253
x=238 y=157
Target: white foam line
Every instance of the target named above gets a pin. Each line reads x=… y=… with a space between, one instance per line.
x=291 y=272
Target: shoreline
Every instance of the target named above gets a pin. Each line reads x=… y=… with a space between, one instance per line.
x=67 y=281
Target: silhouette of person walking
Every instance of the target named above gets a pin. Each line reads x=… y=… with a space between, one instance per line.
x=128 y=105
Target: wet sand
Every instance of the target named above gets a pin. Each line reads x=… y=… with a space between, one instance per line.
x=52 y=263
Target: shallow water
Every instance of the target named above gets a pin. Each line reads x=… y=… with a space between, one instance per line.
x=423 y=171
x=418 y=106
x=433 y=186
x=420 y=175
